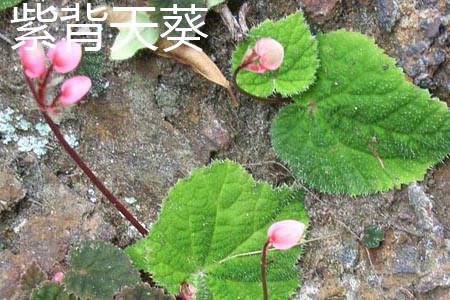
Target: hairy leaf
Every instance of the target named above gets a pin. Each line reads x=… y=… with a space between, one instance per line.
x=4 y=4
x=300 y=63
x=51 y=291
x=142 y=292
x=99 y=270
x=373 y=236
x=362 y=128
x=217 y=212
x=32 y=277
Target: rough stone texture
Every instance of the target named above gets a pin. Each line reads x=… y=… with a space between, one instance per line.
x=158 y=120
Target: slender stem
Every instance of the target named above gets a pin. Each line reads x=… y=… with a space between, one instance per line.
x=44 y=83
x=76 y=158
x=264 y=270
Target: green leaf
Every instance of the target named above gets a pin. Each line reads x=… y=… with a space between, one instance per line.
x=98 y=271
x=93 y=65
x=212 y=3
x=142 y=292
x=51 y=291
x=300 y=63
x=4 y=4
x=32 y=277
x=217 y=212
x=373 y=236
x=362 y=128
x=132 y=44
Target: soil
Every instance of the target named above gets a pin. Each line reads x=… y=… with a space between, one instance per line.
x=156 y=120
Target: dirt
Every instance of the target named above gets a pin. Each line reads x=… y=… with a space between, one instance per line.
x=157 y=120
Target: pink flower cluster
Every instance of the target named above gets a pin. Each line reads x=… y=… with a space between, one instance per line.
x=64 y=57
x=268 y=54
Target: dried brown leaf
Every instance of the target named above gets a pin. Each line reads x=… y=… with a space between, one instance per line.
x=199 y=62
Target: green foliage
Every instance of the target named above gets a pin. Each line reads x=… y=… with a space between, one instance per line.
x=300 y=63
x=363 y=127
x=51 y=291
x=98 y=271
x=142 y=292
x=32 y=277
x=92 y=65
x=217 y=212
x=132 y=44
x=4 y=4
x=373 y=236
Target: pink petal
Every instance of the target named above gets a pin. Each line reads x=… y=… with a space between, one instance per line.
x=270 y=52
x=33 y=60
x=74 y=89
x=65 y=56
x=255 y=68
x=286 y=234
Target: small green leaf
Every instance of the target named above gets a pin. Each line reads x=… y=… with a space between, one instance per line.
x=98 y=271
x=142 y=292
x=51 y=291
x=300 y=63
x=362 y=128
x=4 y=4
x=217 y=212
x=31 y=279
x=132 y=44
x=373 y=236
x=93 y=65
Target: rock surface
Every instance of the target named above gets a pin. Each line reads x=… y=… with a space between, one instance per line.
x=158 y=120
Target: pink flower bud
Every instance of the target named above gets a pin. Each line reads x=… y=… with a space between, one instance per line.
x=74 y=89
x=33 y=59
x=65 y=56
x=186 y=291
x=286 y=234
x=58 y=277
x=268 y=54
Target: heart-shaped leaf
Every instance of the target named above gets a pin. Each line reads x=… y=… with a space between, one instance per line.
x=362 y=128
x=99 y=270
x=373 y=236
x=208 y=218
x=300 y=64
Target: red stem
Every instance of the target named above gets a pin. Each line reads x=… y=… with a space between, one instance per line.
x=77 y=159
x=264 y=269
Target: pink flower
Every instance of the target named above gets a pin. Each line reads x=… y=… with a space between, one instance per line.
x=33 y=59
x=286 y=234
x=65 y=56
x=58 y=277
x=268 y=54
x=73 y=89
